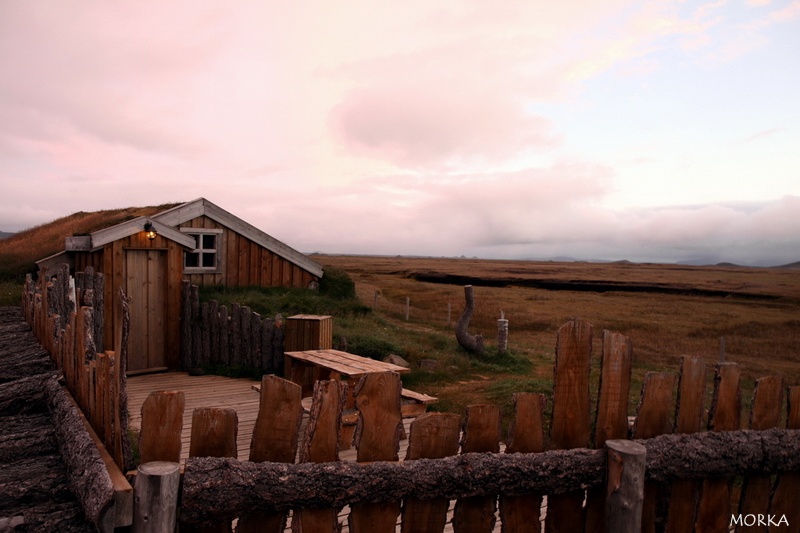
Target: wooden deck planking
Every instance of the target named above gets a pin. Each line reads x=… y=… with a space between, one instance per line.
x=213 y=391
x=238 y=394
x=344 y=363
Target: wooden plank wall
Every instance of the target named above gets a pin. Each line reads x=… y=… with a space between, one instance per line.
x=244 y=263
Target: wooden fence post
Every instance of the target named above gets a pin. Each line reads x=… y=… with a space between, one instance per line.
x=321 y=445
x=787 y=487
x=161 y=426
x=766 y=414
x=377 y=438
x=625 y=489
x=522 y=513
x=502 y=334
x=653 y=418
x=274 y=439
x=155 y=501
x=611 y=421
x=688 y=419
x=714 y=510
x=432 y=436
x=481 y=434
x=570 y=427
x=214 y=432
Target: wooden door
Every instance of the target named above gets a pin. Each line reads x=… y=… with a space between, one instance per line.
x=146 y=284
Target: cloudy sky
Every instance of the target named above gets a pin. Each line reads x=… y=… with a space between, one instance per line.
x=640 y=130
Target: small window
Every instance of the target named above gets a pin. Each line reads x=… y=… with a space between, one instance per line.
x=204 y=256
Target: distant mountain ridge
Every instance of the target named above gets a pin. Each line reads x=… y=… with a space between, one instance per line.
x=5 y=235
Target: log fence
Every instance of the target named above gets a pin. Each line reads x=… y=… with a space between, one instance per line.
x=66 y=315
x=570 y=458
x=213 y=335
x=460 y=459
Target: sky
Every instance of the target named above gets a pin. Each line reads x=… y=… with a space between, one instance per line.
x=650 y=131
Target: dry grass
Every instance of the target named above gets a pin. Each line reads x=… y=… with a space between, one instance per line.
x=19 y=253
x=759 y=320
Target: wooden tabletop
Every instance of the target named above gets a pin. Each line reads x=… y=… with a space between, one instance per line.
x=345 y=363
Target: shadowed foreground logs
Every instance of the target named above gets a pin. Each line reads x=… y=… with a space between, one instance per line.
x=221 y=488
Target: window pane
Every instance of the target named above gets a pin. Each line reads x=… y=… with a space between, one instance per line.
x=209 y=241
x=191 y=259
x=209 y=260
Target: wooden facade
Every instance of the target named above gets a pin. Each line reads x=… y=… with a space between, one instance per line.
x=151 y=271
x=244 y=262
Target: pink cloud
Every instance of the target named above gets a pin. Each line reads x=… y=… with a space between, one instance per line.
x=421 y=126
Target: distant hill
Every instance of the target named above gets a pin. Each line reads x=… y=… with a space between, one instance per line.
x=20 y=251
x=796 y=264
x=5 y=235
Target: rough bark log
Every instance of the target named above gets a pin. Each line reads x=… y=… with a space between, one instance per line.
x=88 y=477
x=24 y=396
x=471 y=343
x=32 y=481
x=223 y=488
x=26 y=436
x=122 y=369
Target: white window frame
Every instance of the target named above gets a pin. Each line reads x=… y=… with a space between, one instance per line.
x=200 y=232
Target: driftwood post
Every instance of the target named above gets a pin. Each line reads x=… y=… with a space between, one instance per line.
x=625 y=478
x=471 y=343
x=155 y=501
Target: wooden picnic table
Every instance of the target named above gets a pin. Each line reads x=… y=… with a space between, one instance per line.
x=306 y=367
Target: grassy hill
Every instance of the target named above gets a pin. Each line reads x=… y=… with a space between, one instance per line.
x=19 y=252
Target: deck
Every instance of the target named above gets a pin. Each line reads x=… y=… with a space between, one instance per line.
x=214 y=391
x=235 y=393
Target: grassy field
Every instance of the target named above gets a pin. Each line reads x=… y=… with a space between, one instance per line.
x=667 y=310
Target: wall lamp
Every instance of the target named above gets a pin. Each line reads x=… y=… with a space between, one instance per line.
x=150 y=230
